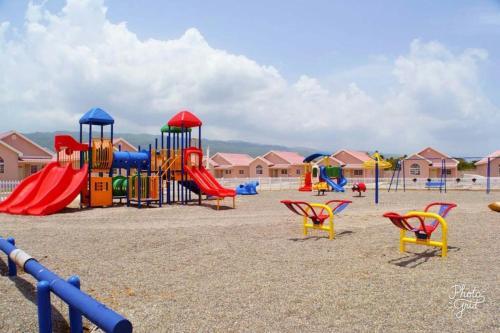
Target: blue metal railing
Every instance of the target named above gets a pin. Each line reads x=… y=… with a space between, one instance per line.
x=80 y=304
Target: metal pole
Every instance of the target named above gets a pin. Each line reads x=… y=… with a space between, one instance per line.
x=376 y=182
x=10 y=263
x=404 y=177
x=488 y=176
x=75 y=316
x=44 y=307
x=90 y=164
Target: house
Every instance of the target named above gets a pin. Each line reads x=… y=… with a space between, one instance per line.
x=123 y=145
x=277 y=164
x=352 y=162
x=20 y=156
x=482 y=165
x=427 y=163
x=229 y=165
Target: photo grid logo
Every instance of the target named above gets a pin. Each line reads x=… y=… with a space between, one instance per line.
x=463 y=297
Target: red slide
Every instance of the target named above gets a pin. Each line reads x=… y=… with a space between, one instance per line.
x=204 y=179
x=47 y=191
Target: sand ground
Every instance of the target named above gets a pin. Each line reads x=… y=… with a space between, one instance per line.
x=194 y=269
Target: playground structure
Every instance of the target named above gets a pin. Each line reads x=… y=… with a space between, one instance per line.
x=154 y=176
x=248 y=188
x=317 y=216
x=440 y=184
x=495 y=206
x=321 y=177
x=167 y=174
x=79 y=303
x=424 y=230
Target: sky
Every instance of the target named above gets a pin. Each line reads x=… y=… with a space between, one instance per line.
x=396 y=76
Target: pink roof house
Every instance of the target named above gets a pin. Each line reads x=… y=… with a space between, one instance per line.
x=427 y=163
x=482 y=165
x=352 y=162
x=20 y=156
x=229 y=165
x=277 y=164
x=124 y=145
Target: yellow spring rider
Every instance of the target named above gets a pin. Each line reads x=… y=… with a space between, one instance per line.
x=315 y=214
x=424 y=230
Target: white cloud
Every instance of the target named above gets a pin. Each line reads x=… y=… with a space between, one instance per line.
x=63 y=63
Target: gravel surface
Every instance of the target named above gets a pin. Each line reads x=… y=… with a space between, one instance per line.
x=195 y=269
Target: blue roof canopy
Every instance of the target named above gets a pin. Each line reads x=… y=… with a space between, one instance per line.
x=97 y=116
x=315 y=156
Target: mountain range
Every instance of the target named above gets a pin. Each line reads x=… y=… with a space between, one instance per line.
x=46 y=139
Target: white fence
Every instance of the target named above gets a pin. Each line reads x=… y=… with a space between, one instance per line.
x=6 y=187
x=468 y=182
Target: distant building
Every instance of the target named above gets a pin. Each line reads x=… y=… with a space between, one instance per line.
x=277 y=164
x=124 y=145
x=229 y=165
x=352 y=162
x=20 y=156
x=427 y=163
x=482 y=165
x=271 y=164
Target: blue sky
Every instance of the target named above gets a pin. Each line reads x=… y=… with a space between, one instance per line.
x=332 y=47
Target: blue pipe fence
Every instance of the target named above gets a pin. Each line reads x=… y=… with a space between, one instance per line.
x=79 y=303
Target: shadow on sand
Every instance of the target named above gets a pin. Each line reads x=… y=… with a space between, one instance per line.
x=412 y=259
x=28 y=290
x=316 y=238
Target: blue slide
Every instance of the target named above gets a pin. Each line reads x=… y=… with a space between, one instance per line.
x=336 y=187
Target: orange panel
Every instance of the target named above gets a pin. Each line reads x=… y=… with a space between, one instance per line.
x=101 y=192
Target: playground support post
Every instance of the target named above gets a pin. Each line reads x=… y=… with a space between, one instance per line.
x=376 y=182
x=488 y=176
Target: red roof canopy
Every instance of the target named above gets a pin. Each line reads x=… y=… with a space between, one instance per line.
x=184 y=119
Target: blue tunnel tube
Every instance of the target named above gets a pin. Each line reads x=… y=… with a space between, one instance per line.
x=93 y=310
x=126 y=159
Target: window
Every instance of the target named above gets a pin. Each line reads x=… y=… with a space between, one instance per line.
x=33 y=169
x=241 y=172
x=2 y=165
x=284 y=171
x=448 y=172
x=297 y=171
x=358 y=173
x=415 y=169
x=258 y=170
x=227 y=172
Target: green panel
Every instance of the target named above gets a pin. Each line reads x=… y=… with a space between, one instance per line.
x=172 y=129
x=333 y=172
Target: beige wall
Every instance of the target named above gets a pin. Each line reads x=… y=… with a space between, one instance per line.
x=10 y=159
x=427 y=171
x=253 y=169
x=482 y=169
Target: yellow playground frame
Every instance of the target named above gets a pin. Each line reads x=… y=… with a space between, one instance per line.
x=424 y=230
x=443 y=244
x=317 y=218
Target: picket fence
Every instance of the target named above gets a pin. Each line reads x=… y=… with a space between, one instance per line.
x=468 y=182
x=6 y=187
